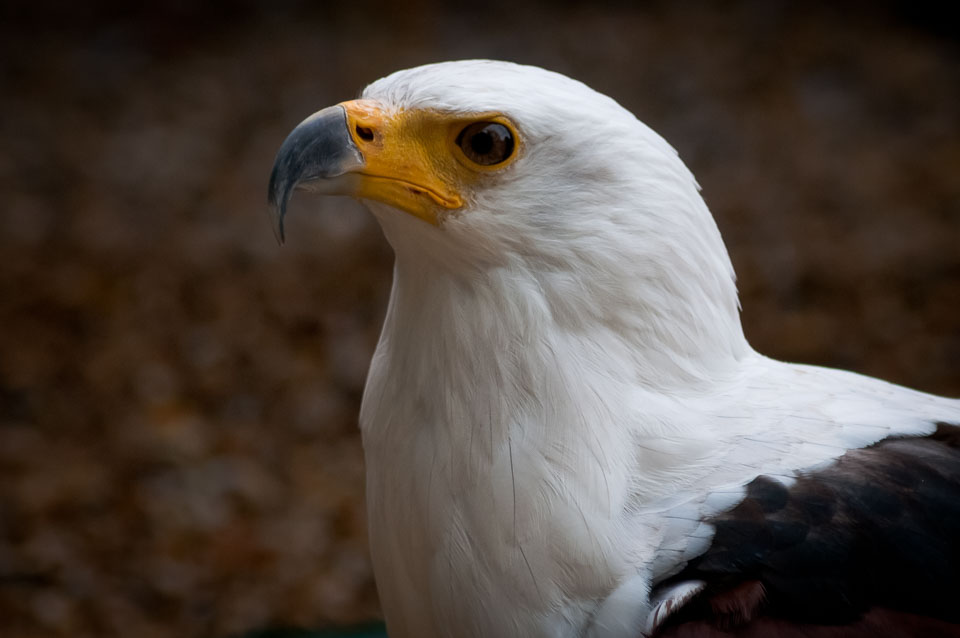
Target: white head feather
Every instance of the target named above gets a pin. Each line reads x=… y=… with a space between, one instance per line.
x=599 y=216
x=562 y=389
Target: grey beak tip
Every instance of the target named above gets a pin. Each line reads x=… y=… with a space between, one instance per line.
x=278 y=231
x=278 y=195
x=277 y=211
x=320 y=147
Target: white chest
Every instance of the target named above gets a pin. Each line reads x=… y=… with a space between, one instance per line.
x=467 y=545
x=491 y=516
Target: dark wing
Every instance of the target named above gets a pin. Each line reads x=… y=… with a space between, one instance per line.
x=868 y=546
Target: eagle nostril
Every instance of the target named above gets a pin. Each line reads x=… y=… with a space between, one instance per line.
x=364 y=133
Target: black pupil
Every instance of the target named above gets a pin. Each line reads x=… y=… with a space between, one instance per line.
x=481 y=143
x=486 y=143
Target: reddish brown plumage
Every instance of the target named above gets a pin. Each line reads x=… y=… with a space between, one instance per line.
x=876 y=623
x=869 y=546
x=738 y=605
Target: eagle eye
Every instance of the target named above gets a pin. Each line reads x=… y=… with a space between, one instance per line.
x=486 y=143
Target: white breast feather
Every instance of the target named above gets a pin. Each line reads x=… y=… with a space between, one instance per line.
x=562 y=392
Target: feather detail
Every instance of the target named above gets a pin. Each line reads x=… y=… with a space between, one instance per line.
x=670 y=599
x=562 y=413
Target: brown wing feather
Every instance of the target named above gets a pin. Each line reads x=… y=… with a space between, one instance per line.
x=867 y=546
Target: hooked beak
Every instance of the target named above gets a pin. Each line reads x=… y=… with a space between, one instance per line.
x=319 y=150
x=358 y=148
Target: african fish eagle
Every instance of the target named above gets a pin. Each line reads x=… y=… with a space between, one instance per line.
x=566 y=433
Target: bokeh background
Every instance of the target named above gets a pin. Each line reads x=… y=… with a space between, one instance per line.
x=178 y=395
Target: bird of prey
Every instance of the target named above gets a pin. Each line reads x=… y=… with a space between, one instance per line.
x=565 y=432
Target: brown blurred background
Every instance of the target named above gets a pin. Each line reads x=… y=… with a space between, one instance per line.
x=178 y=395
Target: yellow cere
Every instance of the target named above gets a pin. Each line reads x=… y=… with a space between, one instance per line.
x=412 y=159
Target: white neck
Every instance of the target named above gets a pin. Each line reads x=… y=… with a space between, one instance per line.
x=484 y=392
x=675 y=310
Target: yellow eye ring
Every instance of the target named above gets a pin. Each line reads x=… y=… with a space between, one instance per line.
x=487 y=144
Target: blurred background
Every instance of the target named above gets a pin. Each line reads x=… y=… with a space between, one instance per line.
x=179 y=453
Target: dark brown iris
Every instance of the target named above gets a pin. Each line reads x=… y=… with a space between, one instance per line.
x=486 y=143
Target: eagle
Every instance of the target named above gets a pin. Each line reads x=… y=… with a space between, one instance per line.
x=565 y=431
